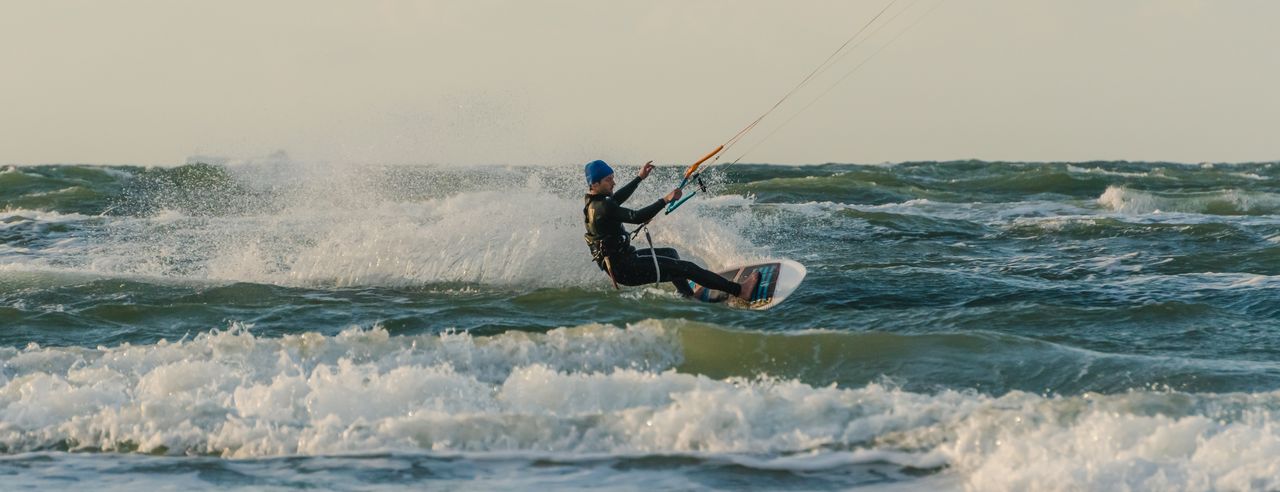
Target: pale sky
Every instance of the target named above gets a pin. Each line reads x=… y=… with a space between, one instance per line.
x=563 y=82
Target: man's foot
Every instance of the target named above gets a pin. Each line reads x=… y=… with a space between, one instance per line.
x=748 y=286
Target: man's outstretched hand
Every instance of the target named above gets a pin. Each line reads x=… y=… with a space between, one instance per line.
x=646 y=169
x=644 y=173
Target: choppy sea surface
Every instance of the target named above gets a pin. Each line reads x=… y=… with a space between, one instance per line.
x=964 y=325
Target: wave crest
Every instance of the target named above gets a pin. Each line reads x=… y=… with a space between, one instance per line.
x=1223 y=202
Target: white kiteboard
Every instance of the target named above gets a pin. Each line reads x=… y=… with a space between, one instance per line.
x=778 y=279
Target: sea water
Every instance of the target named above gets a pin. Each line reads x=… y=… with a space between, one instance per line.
x=964 y=325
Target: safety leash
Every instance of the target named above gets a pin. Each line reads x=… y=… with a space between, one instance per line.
x=657 y=272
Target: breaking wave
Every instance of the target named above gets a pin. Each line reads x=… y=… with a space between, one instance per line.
x=597 y=389
x=1224 y=202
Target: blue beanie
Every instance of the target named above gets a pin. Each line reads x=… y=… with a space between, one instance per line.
x=596 y=171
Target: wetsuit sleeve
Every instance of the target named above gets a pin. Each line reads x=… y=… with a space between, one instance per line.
x=622 y=194
x=623 y=214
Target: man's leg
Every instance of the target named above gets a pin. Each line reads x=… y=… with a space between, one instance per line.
x=667 y=254
x=706 y=278
x=638 y=270
x=673 y=268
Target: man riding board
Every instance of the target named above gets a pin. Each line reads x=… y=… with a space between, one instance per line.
x=603 y=215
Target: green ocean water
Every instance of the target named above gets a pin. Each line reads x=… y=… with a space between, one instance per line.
x=980 y=325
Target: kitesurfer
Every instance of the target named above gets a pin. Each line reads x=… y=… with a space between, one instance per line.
x=603 y=215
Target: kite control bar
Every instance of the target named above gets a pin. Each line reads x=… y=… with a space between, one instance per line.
x=692 y=174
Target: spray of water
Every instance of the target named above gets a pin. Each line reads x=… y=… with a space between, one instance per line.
x=289 y=224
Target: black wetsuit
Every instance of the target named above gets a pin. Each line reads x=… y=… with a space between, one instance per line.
x=611 y=247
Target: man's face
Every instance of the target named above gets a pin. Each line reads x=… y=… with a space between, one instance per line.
x=603 y=187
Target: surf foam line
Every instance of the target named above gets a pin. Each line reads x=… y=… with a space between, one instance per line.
x=603 y=391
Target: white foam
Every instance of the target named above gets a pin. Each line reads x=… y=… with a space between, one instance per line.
x=601 y=391
x=1096 y=442
x=1121 y=199
x=1231 y=202
x=61 y=191
x=1205 y=281
x=11 y=216
x=1252 y=176
x=828 y=460
x=234 y=394
x=1095 y=170
x=986 y=213
x=1117 y=263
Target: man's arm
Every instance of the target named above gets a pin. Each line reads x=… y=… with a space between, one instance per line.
x=629 y=216
x=622 y=194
